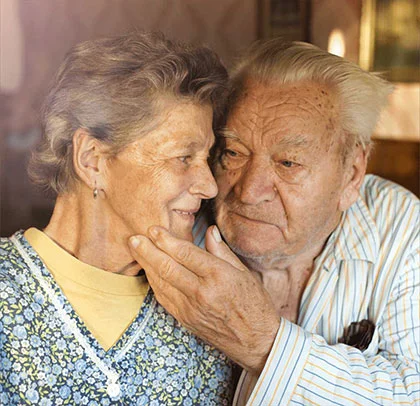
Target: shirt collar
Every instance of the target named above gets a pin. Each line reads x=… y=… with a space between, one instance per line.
x=356 y=237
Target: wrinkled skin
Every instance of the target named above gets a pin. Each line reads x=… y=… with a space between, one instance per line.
x=283 y=184
x=164 y=175
x=211 y=293
x=280 y=176
x=158 y=179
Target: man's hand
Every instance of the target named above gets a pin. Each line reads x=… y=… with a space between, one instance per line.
x=210 y=293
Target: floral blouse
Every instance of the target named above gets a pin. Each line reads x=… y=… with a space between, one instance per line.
x=48 y=357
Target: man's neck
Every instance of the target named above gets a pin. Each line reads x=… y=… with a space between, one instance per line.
x=285 y=278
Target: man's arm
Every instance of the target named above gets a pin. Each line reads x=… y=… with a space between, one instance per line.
x=220 y=301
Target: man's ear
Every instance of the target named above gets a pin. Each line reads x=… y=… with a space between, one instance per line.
x=354 y=175
x=88 y=158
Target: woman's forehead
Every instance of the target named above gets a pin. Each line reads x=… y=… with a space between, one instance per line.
x=188 y=125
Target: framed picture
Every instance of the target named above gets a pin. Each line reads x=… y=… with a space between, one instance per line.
x=284 y=18
x=390 y=38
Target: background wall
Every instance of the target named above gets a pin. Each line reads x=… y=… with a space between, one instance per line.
x=396 y=153
x=35 y=35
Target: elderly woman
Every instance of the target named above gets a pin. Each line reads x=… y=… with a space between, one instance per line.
x=128 y=126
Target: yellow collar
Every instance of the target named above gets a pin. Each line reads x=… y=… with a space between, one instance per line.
x=59 y=262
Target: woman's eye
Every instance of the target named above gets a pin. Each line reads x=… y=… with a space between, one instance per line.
x=185 y=159
x=287 y=164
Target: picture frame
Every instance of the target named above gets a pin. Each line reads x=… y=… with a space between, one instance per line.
x=390 y=39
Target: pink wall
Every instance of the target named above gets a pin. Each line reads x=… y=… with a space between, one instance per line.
x=36 y=34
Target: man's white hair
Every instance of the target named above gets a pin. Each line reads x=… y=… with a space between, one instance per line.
x=361 y=94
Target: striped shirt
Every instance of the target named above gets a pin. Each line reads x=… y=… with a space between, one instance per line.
x=369 y=269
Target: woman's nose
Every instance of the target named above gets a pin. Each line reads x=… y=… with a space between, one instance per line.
x=204 y=183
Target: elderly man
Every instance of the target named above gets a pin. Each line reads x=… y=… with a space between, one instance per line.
x=320 y=304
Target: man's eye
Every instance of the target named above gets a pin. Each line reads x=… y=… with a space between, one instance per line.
x=229 y=153
x=231 y=159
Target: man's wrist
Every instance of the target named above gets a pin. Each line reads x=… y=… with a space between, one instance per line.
x=261 y=351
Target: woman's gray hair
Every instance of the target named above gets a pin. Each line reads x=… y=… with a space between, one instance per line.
x=361 y=94
x=111 y=88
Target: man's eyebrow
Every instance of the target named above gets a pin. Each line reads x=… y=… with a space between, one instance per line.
x=226 y=133
x=294 y=140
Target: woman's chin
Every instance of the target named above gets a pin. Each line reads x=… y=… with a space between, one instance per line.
x=185 y=234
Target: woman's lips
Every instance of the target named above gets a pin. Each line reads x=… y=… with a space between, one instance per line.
x=186 y=214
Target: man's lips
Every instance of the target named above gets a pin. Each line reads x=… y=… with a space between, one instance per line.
x=253 y=219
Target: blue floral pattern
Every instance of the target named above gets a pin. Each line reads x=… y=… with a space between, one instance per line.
x=42 y=362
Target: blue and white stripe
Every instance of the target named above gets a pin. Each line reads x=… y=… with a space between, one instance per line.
x=369 y=269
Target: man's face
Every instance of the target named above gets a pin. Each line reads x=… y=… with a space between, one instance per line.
x=280 y=175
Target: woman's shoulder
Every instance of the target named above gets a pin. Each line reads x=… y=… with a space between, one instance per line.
x=7 y=253
x=12 y=265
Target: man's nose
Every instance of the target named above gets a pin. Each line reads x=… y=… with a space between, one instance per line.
x=204 y=184
x=256 y=183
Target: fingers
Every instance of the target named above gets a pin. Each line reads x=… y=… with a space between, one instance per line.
x=173 y=300
x=191 y=257
x=218 y=248
x=162 y=271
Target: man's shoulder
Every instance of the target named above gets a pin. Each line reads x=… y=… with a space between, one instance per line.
x=390 y=206
x=377 y=193
x=378 y=187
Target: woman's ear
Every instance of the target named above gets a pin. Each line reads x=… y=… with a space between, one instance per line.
x=88 y=158
x=354 y=175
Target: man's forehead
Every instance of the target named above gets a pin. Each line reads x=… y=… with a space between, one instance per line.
x=292 y=140
x=287 y=115
x=269 y=96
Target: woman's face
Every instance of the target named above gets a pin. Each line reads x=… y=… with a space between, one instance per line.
x=161 y=178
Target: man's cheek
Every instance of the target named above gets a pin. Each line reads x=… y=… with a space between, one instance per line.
x=226 y=180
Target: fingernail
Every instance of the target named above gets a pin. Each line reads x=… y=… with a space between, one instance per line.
x=216 y=234
x=134 y=241
x=154 y=232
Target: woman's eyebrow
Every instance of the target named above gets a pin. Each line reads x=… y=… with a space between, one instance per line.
x=191 y=145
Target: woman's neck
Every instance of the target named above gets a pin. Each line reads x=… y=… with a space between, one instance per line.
x=84 y=229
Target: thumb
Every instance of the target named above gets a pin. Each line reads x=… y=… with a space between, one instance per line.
x=219 y=248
